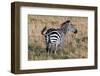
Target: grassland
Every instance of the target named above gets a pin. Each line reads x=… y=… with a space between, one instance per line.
x=75 y=45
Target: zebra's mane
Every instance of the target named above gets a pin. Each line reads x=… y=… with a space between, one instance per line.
x=68 y=21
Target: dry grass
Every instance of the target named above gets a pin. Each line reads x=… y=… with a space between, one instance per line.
x=75 y=44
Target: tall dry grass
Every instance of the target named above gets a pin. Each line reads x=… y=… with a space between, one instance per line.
x=75 y=45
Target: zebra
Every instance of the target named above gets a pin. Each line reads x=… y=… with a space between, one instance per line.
x=55 y=37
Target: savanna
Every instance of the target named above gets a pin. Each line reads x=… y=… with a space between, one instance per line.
x=75 y=45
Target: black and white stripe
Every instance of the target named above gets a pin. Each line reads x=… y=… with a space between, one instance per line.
x=53 y=37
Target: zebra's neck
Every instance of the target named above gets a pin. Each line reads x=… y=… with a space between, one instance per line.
x=64 y=28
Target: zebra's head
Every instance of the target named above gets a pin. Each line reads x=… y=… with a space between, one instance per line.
x=67 y=26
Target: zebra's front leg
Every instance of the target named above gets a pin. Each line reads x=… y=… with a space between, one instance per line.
x=62 y=46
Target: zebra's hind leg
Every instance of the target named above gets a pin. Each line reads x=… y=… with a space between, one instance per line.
x=53 y=47
x=56 y=48
x=48 y=49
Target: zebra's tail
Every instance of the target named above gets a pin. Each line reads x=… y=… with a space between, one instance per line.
x=42 y=32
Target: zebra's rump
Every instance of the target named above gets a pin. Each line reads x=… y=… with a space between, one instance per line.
x=53 y=37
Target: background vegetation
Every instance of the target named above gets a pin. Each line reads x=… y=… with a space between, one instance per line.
x=75 y=44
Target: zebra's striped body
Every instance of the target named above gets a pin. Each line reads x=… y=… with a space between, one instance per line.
x=55 y=37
